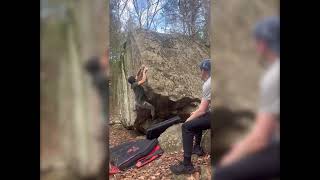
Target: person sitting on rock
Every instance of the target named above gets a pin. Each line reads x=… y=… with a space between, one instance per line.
x=198 y=121
x=140 y=95
x=257 y=155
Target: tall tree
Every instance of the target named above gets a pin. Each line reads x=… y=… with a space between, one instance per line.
x=145 y=11
x=185 y=16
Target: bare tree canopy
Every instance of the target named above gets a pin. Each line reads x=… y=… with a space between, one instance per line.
x=185 y=17
x=188 y=17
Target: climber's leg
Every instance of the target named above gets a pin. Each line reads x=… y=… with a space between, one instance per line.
x=150 y=106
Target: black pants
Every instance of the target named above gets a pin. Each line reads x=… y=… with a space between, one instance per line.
x=262 y=165
x=101 y=84
x=191 y=129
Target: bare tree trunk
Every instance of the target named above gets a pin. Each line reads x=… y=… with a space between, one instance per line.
x=125 y=5
x=154 y=14
x=148 y=9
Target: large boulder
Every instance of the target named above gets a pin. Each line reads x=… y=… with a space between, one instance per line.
x=171 y=139
x=173 y=85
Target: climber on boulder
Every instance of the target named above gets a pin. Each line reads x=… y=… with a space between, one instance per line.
x=97 y=67
x=140 y=73
x=199 y=120
x=140 y=95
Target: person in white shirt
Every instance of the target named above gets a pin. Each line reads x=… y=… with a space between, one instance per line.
x=198 y=121
x=257 y=156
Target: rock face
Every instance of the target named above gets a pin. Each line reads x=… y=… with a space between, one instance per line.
x=206 y=141
x=171 y=139
x=173 y=85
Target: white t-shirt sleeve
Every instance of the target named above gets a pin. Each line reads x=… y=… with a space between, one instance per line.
x=206 y=90
x=270 y=92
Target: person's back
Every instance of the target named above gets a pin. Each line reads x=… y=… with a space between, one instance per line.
x=270 y=94
x=270 y=89
x=140 y=95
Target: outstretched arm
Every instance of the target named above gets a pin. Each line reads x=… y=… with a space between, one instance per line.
x=140 y=72
x=144 y=76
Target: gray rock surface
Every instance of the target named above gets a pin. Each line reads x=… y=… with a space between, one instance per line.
x=171 y=139
x=173 y=85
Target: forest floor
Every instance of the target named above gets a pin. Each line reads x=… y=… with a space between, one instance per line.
x=159 y=168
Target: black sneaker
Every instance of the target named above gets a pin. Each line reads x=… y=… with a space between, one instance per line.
x=181 y=168
x=198 y=150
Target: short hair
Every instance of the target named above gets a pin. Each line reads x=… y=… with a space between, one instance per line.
x=93 y=65
x=131 y=79
x=205 y=65
x=268 y=30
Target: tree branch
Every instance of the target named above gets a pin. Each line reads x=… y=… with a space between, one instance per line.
x=125 y=5
x=154 y=14
x=135 y=5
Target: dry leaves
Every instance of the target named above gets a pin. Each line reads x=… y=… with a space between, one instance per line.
x=157 y=169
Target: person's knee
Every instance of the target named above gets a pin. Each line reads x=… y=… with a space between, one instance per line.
x=185 y=126
x=222 y=174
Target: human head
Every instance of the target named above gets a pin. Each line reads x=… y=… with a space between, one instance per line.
x=267 y=36
x=93 y=65
x=205 y=67
x=131 y=79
